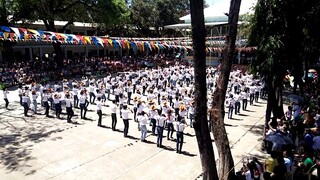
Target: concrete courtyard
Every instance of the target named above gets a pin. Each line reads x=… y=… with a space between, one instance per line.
x=48 y=148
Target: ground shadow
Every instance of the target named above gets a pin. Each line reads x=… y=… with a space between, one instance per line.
x=132 y=137
x=257 y=129
x=242 y=114
x=187 y=154
x=237 y=119
x=249 y=110
x=168 y=148
x=230 y=125
x=190 y=135
x=148 y=142
x=18 y=136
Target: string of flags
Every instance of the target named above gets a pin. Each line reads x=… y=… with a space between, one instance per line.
x=142 y=44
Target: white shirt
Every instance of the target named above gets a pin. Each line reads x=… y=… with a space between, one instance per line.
x=68 y=102
x=99 y=106
x=125 y=113
x=153 y=113
x=34 y=97
x=180 y=126
x=113 y=108
x=82 y=99
x=160 y=120
x=5 y=94
x=143 y=120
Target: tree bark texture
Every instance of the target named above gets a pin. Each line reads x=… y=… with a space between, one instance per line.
x=225 y=162
x=200 y=124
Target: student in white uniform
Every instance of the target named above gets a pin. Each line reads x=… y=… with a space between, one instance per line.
x=99 y=111
x=5 y=97
x=180 y=126
x=125 y=117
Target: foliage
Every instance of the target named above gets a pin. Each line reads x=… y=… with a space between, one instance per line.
x=100 y=11
x=157 y=13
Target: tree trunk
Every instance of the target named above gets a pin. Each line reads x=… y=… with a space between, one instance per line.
x=200 y=124
x=226 y=164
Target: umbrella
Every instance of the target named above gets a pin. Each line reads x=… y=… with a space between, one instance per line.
x=279 y=139
x=296 y=99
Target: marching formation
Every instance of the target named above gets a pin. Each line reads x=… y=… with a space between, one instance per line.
x=160 y=98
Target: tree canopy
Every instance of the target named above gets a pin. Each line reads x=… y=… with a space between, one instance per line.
x=157 y=14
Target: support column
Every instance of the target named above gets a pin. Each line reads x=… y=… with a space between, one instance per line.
x=65 y=52
x=1 y=60
x=86 y=51
x=40 y=53
x=30 y=54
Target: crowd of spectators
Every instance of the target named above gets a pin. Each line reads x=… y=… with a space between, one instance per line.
x=24 y=72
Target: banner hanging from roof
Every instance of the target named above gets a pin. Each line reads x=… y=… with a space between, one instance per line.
x=142 y=44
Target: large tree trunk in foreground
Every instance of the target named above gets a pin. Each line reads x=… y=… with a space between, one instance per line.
x=200 y=124
x=226 y=164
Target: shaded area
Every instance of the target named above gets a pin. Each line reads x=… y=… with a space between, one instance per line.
x=18 y=136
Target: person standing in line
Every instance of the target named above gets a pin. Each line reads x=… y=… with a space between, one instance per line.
x=20 y=93
x=5 y=97
x=108 y=89
x=129 y=91
x=113 y=109
x=244 y=96
x=152 y=113
x=252 y=91
x=99 y=111
x=237 y=104
x=45 y=102
x=69 y=108
x=170 y=124
x=75 y=91
x=143 y=120
x=83 y=107
x=125 y=117
x=180 y=126
x=57 y=104
x=160 y=124
x=231 y=104
x=34 y=101
x=191 y=113
x=91 y=93
x=25 y=103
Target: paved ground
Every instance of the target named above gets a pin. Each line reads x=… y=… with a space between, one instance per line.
x=47 y=148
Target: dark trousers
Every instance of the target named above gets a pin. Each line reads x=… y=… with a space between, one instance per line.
x=251 y=98
x=230 y=110
x=126 y=127
x=135 y=114
x=170 y=129
x=153 y=123
x=75 y=101
x=244 y=104
x=7 y=102
x=256 y=96
x=129 y=97
x=58 y=109
x=108 y=94
x=26 y=108
x=91 y=94
x=83 y=111
x=46 y=106
x=69 y=113
x=99 y=112
x=114 y=121
x=237 y=108
x=160 y=135
x=179 y=141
